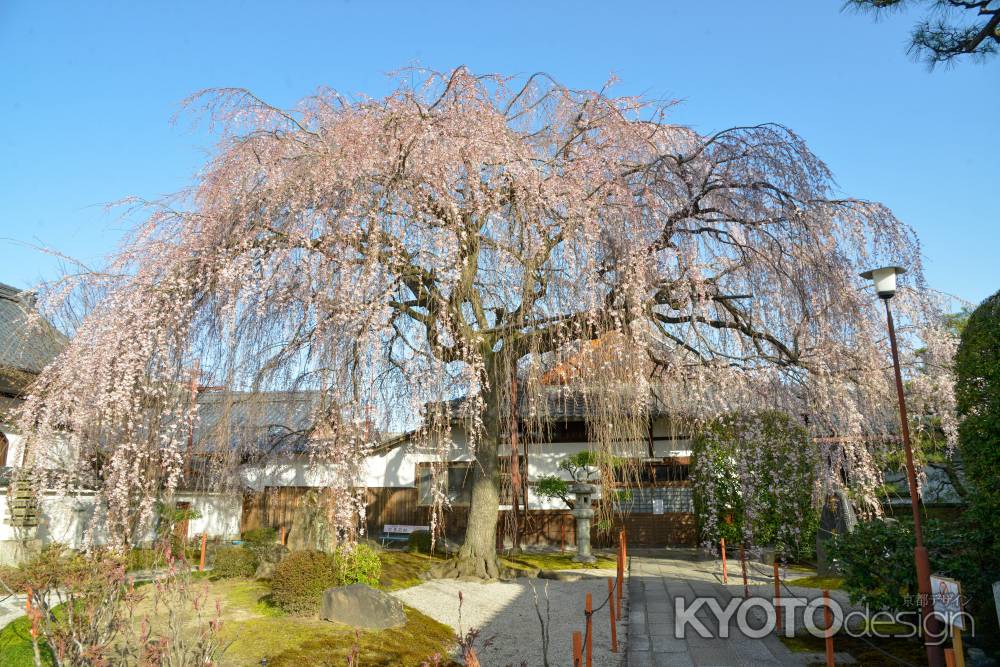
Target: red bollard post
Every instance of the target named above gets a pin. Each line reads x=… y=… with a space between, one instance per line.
x=722 y=550
x=27 y=610
x=577 y=649
x=621 y=577
x=828 y=618
x=611 y=608
x=590 y=630
x=201 y=563
x=777 y=597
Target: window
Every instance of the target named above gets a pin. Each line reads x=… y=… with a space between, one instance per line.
x=458 y=483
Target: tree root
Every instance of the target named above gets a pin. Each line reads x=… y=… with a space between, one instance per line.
x=471 y=567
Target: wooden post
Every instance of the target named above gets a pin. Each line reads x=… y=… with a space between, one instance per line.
x=828 y=618
x=621 y=540
x=611 y=608
x=34 y=621
x=281 y=540
x=777 y=597
x=743 y=566
x=949 y=657
x=201 y=563
x=956 y=642
x=590 y=631
x=621 y=577
x=722 y=550
x=562 y=536
x=577 y=649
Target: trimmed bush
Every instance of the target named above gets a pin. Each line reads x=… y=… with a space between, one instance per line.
x=300 y=579
x=359 y=564
x=231 y=562
x=877 y=560
x=419 y=542
x=259 y=536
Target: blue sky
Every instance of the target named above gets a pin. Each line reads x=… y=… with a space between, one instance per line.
x=88 y=91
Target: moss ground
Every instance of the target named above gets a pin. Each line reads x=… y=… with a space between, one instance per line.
x=553 y=561
x=257 y=629
x=15 y=645
x=827 y=583
x=402 y=569
x=906 y=650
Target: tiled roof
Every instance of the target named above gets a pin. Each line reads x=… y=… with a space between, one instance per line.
x=27 y=344
x=263 y=423
x=564 y=403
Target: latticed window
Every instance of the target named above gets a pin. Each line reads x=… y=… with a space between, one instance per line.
x=456 y=480
x=23 y=503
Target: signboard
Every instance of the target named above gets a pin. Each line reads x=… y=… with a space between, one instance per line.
x=657 y=505
x=947 y=596
x=996 y=597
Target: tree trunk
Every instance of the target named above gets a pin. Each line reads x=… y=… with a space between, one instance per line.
x=478 y=551
x=478 y=555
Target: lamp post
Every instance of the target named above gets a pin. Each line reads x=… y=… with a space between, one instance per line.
x=885 y=286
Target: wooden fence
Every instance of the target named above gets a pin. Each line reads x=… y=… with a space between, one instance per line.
x=275 y=507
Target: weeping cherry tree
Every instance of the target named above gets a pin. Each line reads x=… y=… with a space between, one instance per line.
x=419 y=259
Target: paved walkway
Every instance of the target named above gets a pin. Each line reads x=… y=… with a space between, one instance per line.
x=654 y=583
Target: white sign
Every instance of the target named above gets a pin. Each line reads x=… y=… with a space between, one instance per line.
x=657 y=505
x=996 y=597
x=947 y=596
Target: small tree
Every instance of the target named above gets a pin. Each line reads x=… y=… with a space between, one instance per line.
x=755 y=481
x=584 y=466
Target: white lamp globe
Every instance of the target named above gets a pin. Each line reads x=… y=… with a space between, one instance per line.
x=884 y=279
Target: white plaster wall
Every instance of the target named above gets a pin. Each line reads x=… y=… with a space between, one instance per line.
x=15 y=446
x=59 y=454
x=220 y=514
x=66 y=519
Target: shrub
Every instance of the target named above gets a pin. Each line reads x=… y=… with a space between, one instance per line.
x=419 y=542
x=233 y=562
x=143 y=559
x=13 y=579
x=753 y=479
x=260 y=536
x=300 y=579
x=877 y=560
x=359 y=564
x=977 y=393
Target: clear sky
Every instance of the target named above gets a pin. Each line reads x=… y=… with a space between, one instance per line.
x=88 y=90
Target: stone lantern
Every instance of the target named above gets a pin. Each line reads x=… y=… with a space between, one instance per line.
x=583 y=512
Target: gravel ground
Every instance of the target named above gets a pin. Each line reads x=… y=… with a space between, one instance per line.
x=505 y=612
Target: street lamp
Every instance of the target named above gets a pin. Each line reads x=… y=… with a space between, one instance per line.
x=885 y=285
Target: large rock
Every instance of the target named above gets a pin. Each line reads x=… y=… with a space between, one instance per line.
x=837 y=518
x=361 y=606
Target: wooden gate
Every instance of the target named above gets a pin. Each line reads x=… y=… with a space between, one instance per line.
x=274 y=507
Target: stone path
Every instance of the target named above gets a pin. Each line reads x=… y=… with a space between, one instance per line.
x=653 y=585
